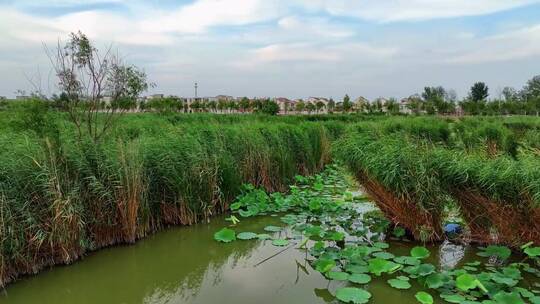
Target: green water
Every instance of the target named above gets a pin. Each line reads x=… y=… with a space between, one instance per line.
x=185 y=265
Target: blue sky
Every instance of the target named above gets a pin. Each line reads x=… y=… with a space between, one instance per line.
x=292 y=48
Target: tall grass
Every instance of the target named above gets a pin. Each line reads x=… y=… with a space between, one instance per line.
x=414 y=179
x=500 y=193
x=60 y=199
x=394 y=174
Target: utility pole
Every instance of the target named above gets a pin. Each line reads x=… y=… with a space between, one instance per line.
x=196 y=87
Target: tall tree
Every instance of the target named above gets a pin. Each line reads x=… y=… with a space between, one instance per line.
x=347 y=105
x=300 y=106
x=392 y=106
x=509 y=94
x=479 y=92
x=435 y=100
x=97 y=86
x=331 y=105
x=319 y=105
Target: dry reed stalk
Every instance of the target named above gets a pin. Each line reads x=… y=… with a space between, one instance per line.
x=130 y=193
x=514 y=226
x=476 y=216
x=401 y=210
x=492 y=148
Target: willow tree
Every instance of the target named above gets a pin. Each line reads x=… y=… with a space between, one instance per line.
x=97 y=87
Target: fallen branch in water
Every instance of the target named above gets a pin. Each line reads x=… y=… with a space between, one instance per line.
x=274 y=255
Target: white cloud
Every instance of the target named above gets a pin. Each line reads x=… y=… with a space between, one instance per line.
x=412 y=10
x=203 y=14
x=513 y=45
x=334 y=54
x=294 y=52
x=96 y=24
x=319 y=27
x=259 y=46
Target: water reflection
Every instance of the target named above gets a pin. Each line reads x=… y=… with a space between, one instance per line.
x=450 y=254
x=185 y=265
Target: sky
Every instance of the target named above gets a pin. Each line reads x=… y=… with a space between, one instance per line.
x=289 y=48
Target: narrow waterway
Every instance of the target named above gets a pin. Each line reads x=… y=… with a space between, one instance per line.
x=185 y=265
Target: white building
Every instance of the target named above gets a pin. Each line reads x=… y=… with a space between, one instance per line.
x=317 y=100
x=285 y=105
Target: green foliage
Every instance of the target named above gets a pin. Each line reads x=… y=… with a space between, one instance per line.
x=424 y=297
x=353 y=295
x=149 y=172
x=501 y=252
x=225 y=235
x=420 y=252
x=399 y=283
x=280 y=242
x=247 y=236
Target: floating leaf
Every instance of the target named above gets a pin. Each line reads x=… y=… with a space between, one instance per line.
x=501 y=252
x=338 y=275
x=501 y=279
x=508 y=298
x=453 y=298
x=225 y=235
x=377 y=266
x=420 y=252
x=512 y=272
x=383 y=255
x=466 y=282
x=532 y=251
x=335 y=236
x=421 y=270
x=435 y=280
x=381 y=245
x=247 y=236
x=353 y=295
x=272 y=229
x=359 y=278
x=424 y=297
x=280 y=242
x=313 y=231
x=324 y=265
x=356 y=268
x=407 y=260
x=399 y=284
x=264 y=236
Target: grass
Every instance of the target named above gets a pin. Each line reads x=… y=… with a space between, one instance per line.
x=60 y=198
x=394 y=174
x=489 y=170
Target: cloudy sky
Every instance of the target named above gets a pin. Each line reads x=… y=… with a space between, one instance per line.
x=293 y=48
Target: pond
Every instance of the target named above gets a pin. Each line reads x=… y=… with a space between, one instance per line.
x=186 y=265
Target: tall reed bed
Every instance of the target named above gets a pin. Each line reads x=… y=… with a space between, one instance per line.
x=60 y=199
x=414 y=180
x=498 y=197
x=394 y=174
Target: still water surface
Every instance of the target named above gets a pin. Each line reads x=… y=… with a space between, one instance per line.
x=185 y=265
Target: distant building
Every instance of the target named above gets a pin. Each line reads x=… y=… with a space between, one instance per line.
x=361 y=104
x=156 y=96
x=22 y=97
x=285 y=105
x=317 y=100
x=405 y=106
x=224 y=97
